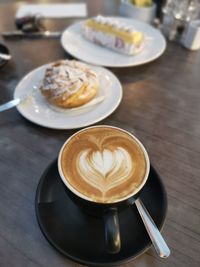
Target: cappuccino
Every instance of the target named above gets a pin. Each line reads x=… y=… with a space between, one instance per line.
x=103 y=164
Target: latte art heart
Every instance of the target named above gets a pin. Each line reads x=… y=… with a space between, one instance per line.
x=105 y=170
x=103 y=164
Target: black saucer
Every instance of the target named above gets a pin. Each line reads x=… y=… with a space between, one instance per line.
x=80 y=237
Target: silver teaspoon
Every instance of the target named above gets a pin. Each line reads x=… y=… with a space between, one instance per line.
x=158 y=242
x=10 y=104
x=17 y=101
x=5 y=56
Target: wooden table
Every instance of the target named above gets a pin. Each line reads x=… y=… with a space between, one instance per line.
x=161 y=105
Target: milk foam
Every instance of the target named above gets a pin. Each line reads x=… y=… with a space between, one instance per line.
x=105 y=169
x=104 y=164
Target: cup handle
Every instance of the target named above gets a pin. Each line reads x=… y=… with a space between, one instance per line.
x=112 y=231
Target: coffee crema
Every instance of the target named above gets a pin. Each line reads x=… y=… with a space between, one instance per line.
x=103 y=164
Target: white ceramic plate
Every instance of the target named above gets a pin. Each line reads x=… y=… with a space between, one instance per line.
x=36 y=109
x=76 y=45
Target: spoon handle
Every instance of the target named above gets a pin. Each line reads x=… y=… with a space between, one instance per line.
x=10 y=104
x=47 y=34
x=158 y=242
x=5 y=56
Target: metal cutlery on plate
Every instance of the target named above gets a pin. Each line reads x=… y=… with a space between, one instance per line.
x=21 y=34
x=5 y=56
x=4 y=53
x=30 y=26
x=12 y=103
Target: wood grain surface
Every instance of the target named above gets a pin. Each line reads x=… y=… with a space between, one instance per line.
x=161 y=106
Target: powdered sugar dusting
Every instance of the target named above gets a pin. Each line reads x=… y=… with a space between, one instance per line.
x=67 y=77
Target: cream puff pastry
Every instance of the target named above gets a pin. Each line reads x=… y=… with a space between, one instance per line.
x=69 y=83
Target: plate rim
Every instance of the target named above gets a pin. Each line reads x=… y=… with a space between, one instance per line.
x=91 y=122
x=84 y=262
x=122 y=65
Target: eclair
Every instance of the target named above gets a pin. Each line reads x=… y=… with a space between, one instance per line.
x=114 y=34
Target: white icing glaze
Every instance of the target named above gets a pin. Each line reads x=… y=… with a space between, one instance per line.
x=115 y=23
x=105 y=169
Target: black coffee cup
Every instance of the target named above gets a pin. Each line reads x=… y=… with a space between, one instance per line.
x=108 y=211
